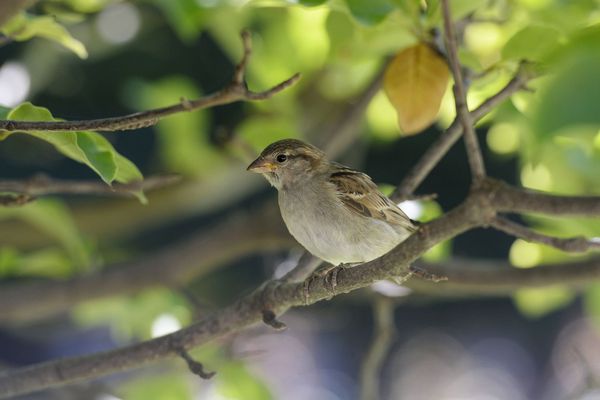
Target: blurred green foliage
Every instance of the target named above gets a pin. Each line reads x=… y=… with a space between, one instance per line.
x=553 y=135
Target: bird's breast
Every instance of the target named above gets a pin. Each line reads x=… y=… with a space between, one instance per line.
x=329 y=231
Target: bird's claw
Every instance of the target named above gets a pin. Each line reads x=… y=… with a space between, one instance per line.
x=328 y=273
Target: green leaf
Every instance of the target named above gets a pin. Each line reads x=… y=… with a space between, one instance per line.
x=236 y=382
x=184 y=144
x=537 y=302
x=134 y=316
x=54 y=219
x=312 y=3
x=369 y=12
x=591 y=302
x=89 y=148
x=531 y=43
x=164 y=386
x=4 y=112
x=571 y=100
x=48 y=263
x=184 y=16
x=24 y=27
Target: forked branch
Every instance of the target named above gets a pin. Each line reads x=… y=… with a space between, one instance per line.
x=237 y=90
x=460 y=97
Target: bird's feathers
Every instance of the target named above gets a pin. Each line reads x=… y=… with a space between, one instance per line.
x=359 y=194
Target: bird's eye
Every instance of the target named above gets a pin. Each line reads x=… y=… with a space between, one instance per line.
x=281 y=158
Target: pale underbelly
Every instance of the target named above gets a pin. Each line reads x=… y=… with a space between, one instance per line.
x=344 y=240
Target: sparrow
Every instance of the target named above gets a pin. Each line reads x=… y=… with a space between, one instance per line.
x=335 y=212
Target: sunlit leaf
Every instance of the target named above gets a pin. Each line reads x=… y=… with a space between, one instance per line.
x=260 y=131
x=531 y=43
x=24 y=27
x=184 y=144
x=591 y=302
x=572 y=98
x=166 y=386
x=89 y=148
x=133 y=316
x=415 y=82
x=537 y=302
x=236 y=382
x=312 y=3
x=48 y=263
x=54 y=219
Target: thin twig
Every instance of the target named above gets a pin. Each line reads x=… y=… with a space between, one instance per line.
x=577 y=244
x=370 y=370
x=41 y=185
x=237 y=90
x=473 y=150
x=439 y=148
x=194 y=366
x=269 y=318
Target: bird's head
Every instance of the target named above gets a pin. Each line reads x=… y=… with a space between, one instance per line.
x=288 y=162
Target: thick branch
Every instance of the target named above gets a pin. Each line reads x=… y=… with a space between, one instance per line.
x=509 y=198
x=239 y=235
x=577 y=244
x=370 y=370
x=235 y=91
x=244 y=312
x=476 y=210
x=468 y=277
x=43 y=185
x=439 y=148
x=460 y=97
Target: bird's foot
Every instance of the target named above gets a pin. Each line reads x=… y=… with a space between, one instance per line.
x=326 y=272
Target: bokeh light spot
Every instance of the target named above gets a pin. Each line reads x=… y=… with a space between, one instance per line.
x=524 y=254
x=536 y=177
x=118 y=23
x=503 y=138
x=14 y=83
x=165 y=324
x=483 y=38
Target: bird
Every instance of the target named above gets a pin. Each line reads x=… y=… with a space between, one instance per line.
x=335 y=212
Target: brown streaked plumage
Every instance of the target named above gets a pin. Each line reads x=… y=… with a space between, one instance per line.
x=335 y=212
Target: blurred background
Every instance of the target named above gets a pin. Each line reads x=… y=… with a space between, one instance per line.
x=215 y=235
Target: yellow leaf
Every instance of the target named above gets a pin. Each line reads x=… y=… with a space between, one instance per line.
x=415 y=82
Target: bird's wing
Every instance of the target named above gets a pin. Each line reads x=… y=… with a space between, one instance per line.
x=360 y=195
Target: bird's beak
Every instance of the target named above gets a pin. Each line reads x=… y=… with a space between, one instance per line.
x=260 y=166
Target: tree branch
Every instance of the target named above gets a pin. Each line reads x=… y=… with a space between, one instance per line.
x=370 y=370
x=508 y=198
x=467 y=277
x=233 y=238
x=440 y=147
x=478 y=209
x=242 y=313
x=237 y=90
x=460 y=98
x=41 y=185
x=577 y=244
